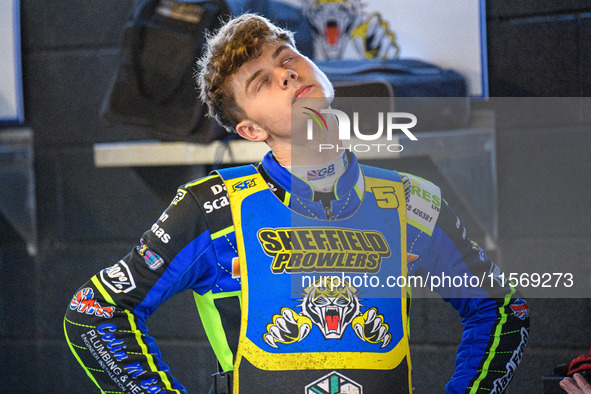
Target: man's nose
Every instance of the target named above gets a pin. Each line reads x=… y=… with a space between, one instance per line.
x=288 y=76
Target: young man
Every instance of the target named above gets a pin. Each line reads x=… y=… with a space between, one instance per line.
x=245 y=239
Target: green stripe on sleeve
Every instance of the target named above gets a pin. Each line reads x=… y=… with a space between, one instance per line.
x=212 y=324
x=71 y=345
x=149 y=356
x=418 y=225
x=222 y=232
x=495 y=344
x=97 y=283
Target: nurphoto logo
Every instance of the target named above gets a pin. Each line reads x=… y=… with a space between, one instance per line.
x=388 y=123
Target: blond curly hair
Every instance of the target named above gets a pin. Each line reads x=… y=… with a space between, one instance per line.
x=238 y=41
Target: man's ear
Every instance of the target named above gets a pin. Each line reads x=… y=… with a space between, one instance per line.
x=251 y=131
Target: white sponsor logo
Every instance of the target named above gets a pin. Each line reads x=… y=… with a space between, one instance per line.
x=160 y=233
x=501 y=383
x=179 y=196
x=118 y=278
x=209 y=206
x=334 y=381
x=424 y=204
x=217 y=189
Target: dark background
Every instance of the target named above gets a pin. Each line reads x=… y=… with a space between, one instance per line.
x=89 y=217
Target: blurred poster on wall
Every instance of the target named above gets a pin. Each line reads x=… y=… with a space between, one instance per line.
x=449 y=34
x=11 y=96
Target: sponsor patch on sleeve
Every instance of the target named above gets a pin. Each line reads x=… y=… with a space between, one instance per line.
x=424 y=204
x=118 y=278
x=180 y=194
x=152 y=259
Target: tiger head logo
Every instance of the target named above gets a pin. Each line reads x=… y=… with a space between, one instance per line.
x=332 y=21
x=331 y=304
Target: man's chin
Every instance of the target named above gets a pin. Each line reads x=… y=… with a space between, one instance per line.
x=301 y=104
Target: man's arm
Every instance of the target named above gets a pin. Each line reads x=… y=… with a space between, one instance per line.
x=105 y=320
x=494 y=315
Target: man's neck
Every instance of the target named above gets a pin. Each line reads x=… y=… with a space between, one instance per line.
x=299 y=150
x=288 y=156
x=323 y=176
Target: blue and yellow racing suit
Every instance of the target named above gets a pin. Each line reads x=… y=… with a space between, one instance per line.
x=208 y=239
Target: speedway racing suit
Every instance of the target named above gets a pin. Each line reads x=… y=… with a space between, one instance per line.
x=193 y=246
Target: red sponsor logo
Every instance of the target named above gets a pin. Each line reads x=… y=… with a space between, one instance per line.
x=84 y=302
x=520 y=309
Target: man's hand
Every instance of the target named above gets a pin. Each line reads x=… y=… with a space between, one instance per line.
x=576 y=385
x=287 y=327
x=370 y=327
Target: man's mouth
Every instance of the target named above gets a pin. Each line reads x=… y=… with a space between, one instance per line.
x=302 y=91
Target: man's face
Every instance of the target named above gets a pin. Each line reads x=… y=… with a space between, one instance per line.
x=266 y=87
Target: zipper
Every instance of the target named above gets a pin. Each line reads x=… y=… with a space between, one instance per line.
x=328 y=213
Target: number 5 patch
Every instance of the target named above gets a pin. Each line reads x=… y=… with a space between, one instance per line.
x=385 y=197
